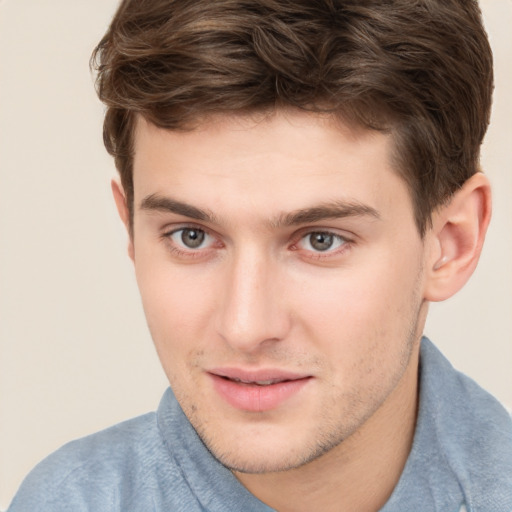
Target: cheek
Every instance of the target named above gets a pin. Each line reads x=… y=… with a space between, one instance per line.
x=177 y=304
x=349 y=302
x=363 y=317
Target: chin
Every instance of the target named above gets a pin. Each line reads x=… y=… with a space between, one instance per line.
x=271 y=463
x=271 y=453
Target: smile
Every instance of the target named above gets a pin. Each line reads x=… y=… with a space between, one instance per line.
x=257 y=391
x=257 y=383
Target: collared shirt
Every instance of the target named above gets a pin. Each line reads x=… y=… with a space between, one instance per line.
x=461 y=459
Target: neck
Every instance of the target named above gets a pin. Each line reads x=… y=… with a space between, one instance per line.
x=361 y=472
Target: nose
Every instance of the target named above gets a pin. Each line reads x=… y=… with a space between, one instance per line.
x=252 y=311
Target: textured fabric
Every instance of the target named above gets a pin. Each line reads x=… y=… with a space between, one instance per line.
x=461 y=457
x=462 y=448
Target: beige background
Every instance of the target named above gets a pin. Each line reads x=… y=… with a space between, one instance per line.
x=75 y=355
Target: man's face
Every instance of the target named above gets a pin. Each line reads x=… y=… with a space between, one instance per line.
x=281 y=275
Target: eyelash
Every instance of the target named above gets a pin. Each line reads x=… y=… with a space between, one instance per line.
x=184 y=252
x=345 y=243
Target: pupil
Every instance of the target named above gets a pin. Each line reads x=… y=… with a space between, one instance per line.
x=321 y=241
x=192 y=238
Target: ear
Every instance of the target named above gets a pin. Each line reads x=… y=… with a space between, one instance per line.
x=124 y=214
x=457 y=237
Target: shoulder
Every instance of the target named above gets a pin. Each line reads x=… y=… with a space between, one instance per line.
x=97 y=472
x=481 y=454
x=462 y=448
x=472 y=430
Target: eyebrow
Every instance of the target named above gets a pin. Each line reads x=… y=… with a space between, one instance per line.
x=330 y=210
x=154 y=202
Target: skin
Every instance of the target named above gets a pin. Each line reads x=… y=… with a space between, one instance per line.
x=256 y=293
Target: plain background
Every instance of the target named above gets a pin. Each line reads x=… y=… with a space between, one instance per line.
x=75 y=355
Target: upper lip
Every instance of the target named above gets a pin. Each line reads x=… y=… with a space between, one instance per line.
x=260 y=375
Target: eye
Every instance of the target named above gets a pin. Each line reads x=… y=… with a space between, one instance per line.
x=321 y=241
x=190 y=238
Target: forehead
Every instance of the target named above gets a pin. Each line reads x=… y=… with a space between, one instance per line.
x=280 y=161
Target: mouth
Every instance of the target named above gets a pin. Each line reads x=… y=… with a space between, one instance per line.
x=257 y=382
x=257 y=391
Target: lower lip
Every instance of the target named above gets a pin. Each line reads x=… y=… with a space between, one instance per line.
x=254 y=398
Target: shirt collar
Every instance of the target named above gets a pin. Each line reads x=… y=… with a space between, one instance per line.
x=462 y=448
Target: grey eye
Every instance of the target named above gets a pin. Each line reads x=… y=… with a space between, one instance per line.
x=322 y=241
x=192 y=238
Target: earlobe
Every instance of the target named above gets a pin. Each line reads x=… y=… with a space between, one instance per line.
x=457 y=238
x=124 y=213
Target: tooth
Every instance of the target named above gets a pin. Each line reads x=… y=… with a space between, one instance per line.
x=257 y=382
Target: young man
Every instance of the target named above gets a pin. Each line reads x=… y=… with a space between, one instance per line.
x=298 y=181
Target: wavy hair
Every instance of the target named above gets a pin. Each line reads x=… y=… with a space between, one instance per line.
x=420 y=69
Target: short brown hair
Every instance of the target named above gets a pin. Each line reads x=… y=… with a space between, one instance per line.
x=421 y=69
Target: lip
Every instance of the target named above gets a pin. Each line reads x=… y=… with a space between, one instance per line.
x=257 y=390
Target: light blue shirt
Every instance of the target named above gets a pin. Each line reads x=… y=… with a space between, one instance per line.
x=461 y=457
